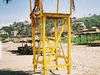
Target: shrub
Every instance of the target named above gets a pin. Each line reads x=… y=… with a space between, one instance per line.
x=4 y=35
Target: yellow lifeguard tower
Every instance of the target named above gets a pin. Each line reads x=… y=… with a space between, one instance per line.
x=53 y=48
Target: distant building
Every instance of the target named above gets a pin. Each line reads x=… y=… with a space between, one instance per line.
x=14 y=33
x=81 y=24
x=3 y=32
x=64 y=33
x=59 y=29
x=91 y=30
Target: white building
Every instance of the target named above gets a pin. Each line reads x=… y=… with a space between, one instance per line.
x=3 y=32
x=14 y=33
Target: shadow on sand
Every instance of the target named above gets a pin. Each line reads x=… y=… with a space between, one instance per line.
x=10 y=72
x=17 y=53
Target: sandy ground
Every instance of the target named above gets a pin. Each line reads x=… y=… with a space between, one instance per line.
x=84 y=61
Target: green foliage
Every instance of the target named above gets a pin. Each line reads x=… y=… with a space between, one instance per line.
x=91 y=21
x=25 y=30
x=64 y=41
x=49 y=25
x=4 y=36
x=83 y=39
x=8 y=29
x=21 y=27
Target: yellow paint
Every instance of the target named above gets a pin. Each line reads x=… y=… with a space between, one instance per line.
x=53 y=48
x=56 y=34
x=69 y=46
x=60 y=65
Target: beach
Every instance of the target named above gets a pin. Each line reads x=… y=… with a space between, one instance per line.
x=84 y=61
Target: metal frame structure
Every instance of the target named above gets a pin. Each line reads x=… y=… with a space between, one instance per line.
x=43 y=17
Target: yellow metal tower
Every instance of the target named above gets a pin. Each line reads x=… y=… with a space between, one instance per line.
x=52 y=47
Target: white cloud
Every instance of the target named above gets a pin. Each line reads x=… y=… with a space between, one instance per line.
x=8 y=24
x=2 y=24
x=21 y=20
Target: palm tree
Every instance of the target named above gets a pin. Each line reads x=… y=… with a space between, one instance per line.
x=7 y=1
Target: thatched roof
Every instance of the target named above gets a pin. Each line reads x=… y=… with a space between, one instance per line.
x=59 y=29
x=93 y=29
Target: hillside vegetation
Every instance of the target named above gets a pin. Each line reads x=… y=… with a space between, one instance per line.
x=24 y=28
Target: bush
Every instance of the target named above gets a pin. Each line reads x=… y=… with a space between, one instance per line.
x=4 y=35
x=83 y=39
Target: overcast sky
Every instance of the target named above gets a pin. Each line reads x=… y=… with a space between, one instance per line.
x=18 y=10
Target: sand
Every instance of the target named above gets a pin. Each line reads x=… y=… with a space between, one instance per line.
x=84 y=61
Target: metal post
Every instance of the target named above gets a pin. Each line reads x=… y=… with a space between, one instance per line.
x=57 y=6
x=69 y=46
x=56 y=52
x=33 y=39
x=44 y=47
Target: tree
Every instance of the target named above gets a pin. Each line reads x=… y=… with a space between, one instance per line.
x=93 y=20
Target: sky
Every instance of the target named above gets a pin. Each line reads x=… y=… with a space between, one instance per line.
x=19 y=10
